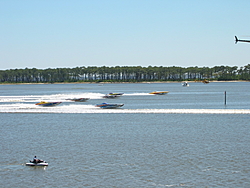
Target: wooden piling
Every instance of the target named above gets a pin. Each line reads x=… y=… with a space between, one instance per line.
x=225 y=98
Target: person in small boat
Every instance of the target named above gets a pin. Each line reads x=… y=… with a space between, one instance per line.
x=35 y=160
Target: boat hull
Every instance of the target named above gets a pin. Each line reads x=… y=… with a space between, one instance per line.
x=48 y=104
x=112 y=106
x=36 y=164
x=110 y=96
x=159 y=92
x=109 y=106
x=119 y=94
x=113 y=95
x=79 y=99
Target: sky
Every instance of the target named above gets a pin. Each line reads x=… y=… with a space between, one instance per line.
x=75 y=33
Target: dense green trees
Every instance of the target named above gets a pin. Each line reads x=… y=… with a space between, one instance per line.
x=123 y=74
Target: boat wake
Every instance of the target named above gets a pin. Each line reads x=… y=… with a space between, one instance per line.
x=26 y=104
x=57 y=97
x=136 y=94
x=73 y=108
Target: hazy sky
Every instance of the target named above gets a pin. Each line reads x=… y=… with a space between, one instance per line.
x=69 y=33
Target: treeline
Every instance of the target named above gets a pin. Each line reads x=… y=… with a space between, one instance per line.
x=124 y=74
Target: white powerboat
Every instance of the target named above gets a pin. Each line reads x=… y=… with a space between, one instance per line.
x=185 y=84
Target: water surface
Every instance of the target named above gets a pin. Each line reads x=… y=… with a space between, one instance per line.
x=141 y=145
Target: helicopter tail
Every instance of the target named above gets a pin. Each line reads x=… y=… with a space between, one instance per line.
x=236 y=39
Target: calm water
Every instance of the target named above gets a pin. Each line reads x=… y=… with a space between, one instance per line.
x=187 y=138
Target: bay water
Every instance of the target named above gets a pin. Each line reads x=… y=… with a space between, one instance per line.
x=187 y=138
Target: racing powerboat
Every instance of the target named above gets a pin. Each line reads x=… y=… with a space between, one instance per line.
x=79 y=99
x=48 y=104
x=117 y=94
x=109 y=96
x=109 y=106
x=159 y=92
x=113 y=95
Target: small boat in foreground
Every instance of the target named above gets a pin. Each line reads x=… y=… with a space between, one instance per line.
x=37 y=162
x=79 y=99
x=159 y=92
x=109 y=106
x=48 y=104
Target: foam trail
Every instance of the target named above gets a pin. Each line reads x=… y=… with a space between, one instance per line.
x=136 y=94
x=58 y=97
x=49 y=98
x=26 y=104
x=31 y=108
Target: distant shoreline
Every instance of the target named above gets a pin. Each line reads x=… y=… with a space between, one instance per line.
x=101 y=83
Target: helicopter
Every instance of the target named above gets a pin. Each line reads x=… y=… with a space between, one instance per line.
x=237 y=40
